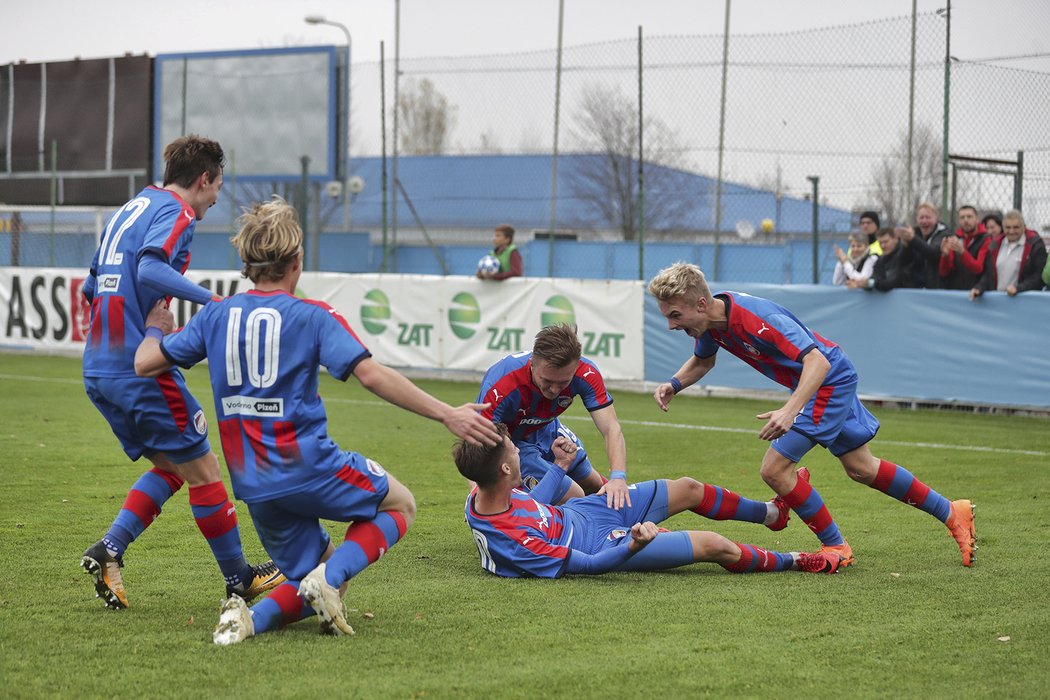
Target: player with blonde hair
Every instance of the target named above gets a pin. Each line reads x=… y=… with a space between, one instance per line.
x=265 y=347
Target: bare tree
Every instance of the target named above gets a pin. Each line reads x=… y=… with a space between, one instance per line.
x=427 y=119
x=889 y=189
x=606 y=125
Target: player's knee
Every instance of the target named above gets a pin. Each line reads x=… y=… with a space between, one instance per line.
x=400 y=499
x=861 y=468
x=201 y=471
x=692 y=489
x=710 y=546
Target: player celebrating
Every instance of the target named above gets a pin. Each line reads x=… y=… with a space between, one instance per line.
x=145 y=249
x=823 y=408
x=527 y=392
x=264 y=348
x=519 y=536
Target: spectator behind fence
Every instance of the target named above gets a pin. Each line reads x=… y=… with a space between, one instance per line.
x=963 y=255
x=1015 y=262
x=993 y=224
x=892 y=269
x=504 y=250
x=858 y=264
x=924 y=244
x=869 y=226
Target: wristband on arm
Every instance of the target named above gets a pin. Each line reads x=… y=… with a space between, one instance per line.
x=675 y=383
x=617 y=474
x=154 y=332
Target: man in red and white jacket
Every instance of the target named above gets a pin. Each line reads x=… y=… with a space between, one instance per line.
x=1015 y=260
x=963 y=255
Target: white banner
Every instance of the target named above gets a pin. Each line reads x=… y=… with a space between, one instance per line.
x=420 y=321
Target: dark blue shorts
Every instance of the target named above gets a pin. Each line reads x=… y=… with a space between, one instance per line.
x=289 y=527
x=834 y=418
x=151 y=415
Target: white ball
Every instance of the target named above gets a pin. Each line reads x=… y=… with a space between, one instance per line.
x=488 y=264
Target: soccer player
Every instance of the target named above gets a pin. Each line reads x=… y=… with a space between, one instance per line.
x=145 y=250
x=823 y=408
x=265 y=347
x=520 y=536
x=527 y=392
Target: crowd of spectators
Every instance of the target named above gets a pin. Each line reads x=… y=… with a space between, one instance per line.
x=995 y=253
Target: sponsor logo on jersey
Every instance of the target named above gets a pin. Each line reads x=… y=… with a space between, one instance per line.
x=534 y=421
x=200 y=423
x=374 y=468
x=251 y=406
x=108 y=283
x=751 y=349
x=617 y=534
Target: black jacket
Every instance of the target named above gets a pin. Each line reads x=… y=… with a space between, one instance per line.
x=894 y=270
x=926 y=257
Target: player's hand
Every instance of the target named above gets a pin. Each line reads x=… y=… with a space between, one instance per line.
x=161 y=317
x=1011 y=290
x=642 y=534
x=564 y=451
x=466 y=422
x=663 y=395
x=616 y=493
x=778 y=422
x=216 y=297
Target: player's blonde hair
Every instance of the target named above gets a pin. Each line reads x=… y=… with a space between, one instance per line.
x=269 y=240
x=680 y=281
x=558 y=345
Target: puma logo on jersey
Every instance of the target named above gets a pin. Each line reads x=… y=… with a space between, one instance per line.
x=526 y=540
x=762 y=329
x=495 y=396
x=588 y=373
x=188 y=215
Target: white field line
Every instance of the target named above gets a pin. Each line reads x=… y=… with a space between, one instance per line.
x=644 y=423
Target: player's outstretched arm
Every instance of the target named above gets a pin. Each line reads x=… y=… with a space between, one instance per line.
x=462 y=421
x=688 y=374
x=149 y=360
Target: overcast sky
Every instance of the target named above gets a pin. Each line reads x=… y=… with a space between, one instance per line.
x=57 y=30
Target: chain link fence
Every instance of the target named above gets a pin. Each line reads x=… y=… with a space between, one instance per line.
x=826 y=112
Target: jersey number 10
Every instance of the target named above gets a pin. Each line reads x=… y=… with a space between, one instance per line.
x=262 y=347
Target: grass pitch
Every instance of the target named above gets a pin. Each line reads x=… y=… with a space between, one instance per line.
x=907 y=620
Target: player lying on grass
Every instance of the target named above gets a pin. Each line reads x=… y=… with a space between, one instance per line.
x=823 y=408
x=265 y=347
x=528 y=391
x=518 y=536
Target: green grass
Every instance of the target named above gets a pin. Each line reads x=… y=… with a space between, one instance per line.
x=908 y=620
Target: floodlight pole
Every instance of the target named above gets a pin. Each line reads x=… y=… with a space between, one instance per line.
x=320 y=19
x=816 y=225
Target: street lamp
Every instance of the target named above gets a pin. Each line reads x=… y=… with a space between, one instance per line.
x=320 y=19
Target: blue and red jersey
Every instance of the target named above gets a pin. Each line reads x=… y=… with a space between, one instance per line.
x=516 y=402
x=156 y=221
x=264 y=351
x=771 y=339
x=528 y=539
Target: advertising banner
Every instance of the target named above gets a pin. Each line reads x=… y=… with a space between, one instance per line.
x=418 y=321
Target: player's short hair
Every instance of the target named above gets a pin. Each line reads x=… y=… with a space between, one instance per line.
x=480 y=463
x=681 y=280
x=269 y=240
x=1015 y=215
x=187 y=157
x=885 y=231
x=507 y=230
x=557 y=345
x=872 y=216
